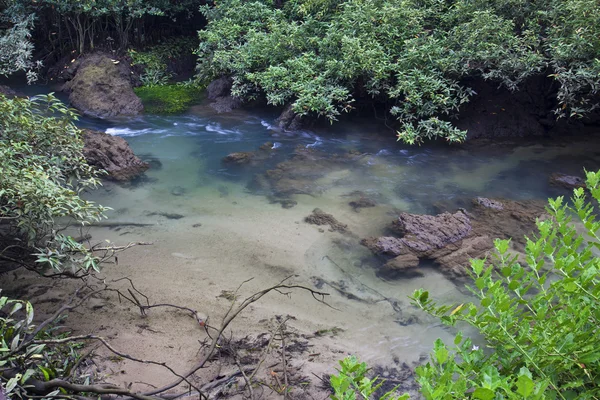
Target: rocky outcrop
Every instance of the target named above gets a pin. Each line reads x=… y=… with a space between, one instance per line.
x=100 y=86
x=219 y=91
x=289 y=120
x=567 y=181
x=112 y=154
x=452 y=240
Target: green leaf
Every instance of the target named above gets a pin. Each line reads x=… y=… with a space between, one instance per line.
x=483 y=394
x=525 y=386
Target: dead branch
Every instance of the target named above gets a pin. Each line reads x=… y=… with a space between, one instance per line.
x=230 y=316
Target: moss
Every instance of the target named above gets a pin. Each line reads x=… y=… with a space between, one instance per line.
x=168 y=99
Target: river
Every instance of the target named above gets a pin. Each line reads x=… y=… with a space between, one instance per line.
x=212 y=228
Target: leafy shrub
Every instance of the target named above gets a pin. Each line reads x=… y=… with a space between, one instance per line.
x=42 y=174
x=168 y=99
x=155 y=59
x=413 y=55
x=538 y=318
x=352 y=379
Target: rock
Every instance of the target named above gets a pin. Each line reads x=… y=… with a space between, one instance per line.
x=289 y=120
x=101 y=88
x=485 y=202
x=226 y=104
x=239 y=158
x=424 y=233
x=363 y=202
x=402 y=262
x=8 y=92
x=219 y=91
x=318 y=217
x=452 y=240
x=567 y=181
x=387 y=245
x=112 y=154
x=220 y=87
x=249 y=157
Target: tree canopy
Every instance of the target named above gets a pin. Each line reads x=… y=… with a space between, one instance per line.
x=413 y=55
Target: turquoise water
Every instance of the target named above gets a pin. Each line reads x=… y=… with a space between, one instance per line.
x=228 y=229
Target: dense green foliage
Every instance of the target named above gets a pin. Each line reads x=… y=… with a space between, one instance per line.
x=155 y=59
x=352 y=379
x=168 y=99
x=413 y=55
x=42 y=175
x=538 y=318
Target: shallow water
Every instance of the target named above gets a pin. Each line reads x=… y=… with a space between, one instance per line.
x=226 y=233
x=250 y=237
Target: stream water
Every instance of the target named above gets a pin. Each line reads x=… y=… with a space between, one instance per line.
x=226 y=232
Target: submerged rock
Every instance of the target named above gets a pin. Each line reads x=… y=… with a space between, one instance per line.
x=249 y=157
x=318 y=217
x=452 y=240
x=363 y=202
x=112 y=154
x=101 y=87
x=567 y=181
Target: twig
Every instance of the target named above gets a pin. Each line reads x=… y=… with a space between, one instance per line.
x=230 y=317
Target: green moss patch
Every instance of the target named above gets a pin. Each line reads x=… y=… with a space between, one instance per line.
x=168 y=99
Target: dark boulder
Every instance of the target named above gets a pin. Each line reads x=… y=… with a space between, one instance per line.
x=289 y=120
x=7 y=91
x=220 y=87
x=101 y=87
x=219 y=91
x=112 y=154
x=567 y=181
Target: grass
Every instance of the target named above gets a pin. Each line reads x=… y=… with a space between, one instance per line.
x=168 y=99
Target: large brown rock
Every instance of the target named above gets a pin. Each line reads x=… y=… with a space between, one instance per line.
x=425 y=233
x=452 y=240
x=101 y=87
x=112 y=154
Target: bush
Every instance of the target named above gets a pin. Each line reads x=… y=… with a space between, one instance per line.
x=538 y=318
x=168 y=99
x=412 y=55
x=155 y=60
x=42 y=174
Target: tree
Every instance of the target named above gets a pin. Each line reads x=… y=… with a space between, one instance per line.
x=412 y=55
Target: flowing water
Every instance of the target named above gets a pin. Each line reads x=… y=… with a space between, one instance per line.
x=212 y=229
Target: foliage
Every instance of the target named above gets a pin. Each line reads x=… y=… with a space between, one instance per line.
x=352 y=380
x=539 y=317
x=168 y=99
x=155 y=59
x=32 y=361
x=42 y=174
x=16 y=48
x=81 y=23
x=414 y=55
